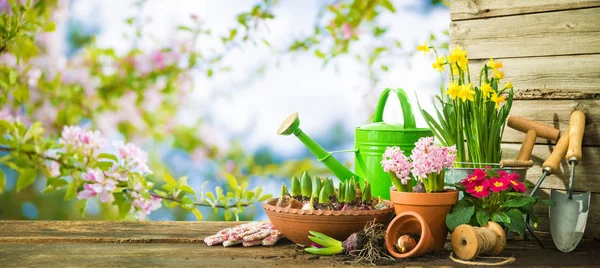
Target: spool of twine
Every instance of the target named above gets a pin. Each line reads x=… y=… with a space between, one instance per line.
x=469 y=242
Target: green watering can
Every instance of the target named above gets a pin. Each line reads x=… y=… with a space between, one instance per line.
x=370 y=144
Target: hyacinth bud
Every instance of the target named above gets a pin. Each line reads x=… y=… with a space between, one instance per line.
x=341 y=192
x=366 y=195
x=323 y=196
x=296 y=190
x=316 y=187
x=306 y=185
x=284 y=191
x=330 y=188
x=350 y=192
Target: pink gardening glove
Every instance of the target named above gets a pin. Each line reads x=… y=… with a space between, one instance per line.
x=248 y=234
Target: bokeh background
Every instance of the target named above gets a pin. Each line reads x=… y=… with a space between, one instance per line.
x=225 y=116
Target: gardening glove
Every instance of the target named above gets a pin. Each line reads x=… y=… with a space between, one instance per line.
x=248 y=234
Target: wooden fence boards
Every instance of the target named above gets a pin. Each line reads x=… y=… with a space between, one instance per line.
x=551 y=54
x=474 y=9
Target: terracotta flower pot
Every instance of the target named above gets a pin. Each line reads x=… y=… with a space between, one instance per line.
x=433 y=207
x=295 y=223
x=409 y=223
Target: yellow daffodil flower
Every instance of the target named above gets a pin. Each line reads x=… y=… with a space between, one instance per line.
x=466 y=93
x=497 y=99
x=457 y=54
x=508 y=85
x=439 y=64
x=498 y=74
x=424 y=48
x=487 y=89
x=453 y=90
x=494 y=65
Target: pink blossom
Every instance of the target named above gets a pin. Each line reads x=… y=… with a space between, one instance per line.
x=134 y=157
x=143 y=206
x=81 y=139
x=428 y=158
x=394 y=160
x=99 y=185
x=114 y=172
x=194 y=17
x=347 y=31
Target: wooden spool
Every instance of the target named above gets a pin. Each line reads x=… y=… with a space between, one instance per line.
x=466 y=246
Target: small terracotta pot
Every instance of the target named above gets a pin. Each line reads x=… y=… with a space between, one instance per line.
x=433 y=207
x=409 y=223
x=295 y=223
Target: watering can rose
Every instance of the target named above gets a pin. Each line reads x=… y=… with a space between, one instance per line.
x=426 y=164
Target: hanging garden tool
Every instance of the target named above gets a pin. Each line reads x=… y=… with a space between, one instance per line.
x=568 y=216
x=524 y=156
x=370 y=142
x=524 y=125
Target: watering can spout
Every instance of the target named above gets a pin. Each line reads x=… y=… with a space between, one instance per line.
x=291 y=125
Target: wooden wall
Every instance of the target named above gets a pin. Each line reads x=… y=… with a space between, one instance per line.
x=551 y=53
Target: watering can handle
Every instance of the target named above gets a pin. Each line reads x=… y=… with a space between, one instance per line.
x=407 y=113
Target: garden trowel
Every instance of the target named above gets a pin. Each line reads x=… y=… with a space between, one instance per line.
x=568 y=215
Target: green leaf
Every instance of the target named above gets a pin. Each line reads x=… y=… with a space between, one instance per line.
x=12 y=77
x=6 y=127
x=35 y=130
x=460 y=215
x=108 y=156
x=49 y=27
x=184 y=28
x=319 y=54
x=518 y=202
x=71 y=191
x=197 y=214
x=482 y=217
x=210 y=195
x=26 y=178
x=2 y=181
x=105 y=166
x=388 y=5
x=160 y=193
x=169 y=180
x=82 y=204
x=500 y=217
x=227 y=215
x=231 y=180
x=182 y=181
x=517 y=221
x=265 y=197
x=187 y=189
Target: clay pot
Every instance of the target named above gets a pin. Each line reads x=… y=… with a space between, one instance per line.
x=295 y=223
x=433 y=207
x=409 y=223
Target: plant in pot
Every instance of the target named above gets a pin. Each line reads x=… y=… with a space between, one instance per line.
x=425 y=170
x=471 y=117
x=492 y=195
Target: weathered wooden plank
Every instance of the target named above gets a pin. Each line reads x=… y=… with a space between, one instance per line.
x=556 y=113
x=554 y=77
x=568 y=32
x=527 y=254
x=587 y=172
x=592 y=228
x=41 y=250
x=473 y=9
x=108 y=231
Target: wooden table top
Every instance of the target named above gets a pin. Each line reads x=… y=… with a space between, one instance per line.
x=167 y=244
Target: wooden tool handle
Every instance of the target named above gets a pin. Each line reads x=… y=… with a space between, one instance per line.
x=516 y=163
x=576 y=127
x=527 y=146
x=560 y=150
x=542 y=130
